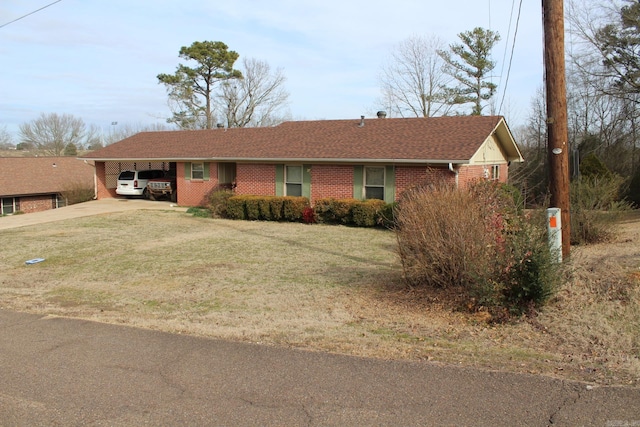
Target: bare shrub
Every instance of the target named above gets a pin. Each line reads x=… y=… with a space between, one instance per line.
x=595 y=208
x=77 y=192
x=441 y=238
x=477 y=242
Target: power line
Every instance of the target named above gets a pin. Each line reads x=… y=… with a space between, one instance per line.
x=515 y=33
x=30 y=13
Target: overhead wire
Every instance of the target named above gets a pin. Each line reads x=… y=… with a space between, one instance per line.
x=513 y=45
x=29 y=14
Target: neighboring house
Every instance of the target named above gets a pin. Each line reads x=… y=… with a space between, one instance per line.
x=33 y=184
x=366 y=158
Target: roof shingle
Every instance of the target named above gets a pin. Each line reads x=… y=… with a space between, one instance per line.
x=425 y=139
x=20 y=176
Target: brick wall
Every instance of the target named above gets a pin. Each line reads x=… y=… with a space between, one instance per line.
x=468 y=174
x=30 y=204
x=102 y=188
x=408 y=176
x=256 y=179
x=195 y=192
x=331 y=181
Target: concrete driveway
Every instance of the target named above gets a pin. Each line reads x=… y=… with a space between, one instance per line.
x=94 y=207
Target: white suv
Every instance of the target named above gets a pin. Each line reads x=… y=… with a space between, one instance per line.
x=134 y=183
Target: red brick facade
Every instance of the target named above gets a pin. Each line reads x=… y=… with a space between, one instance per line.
x=256 y=179
x=335 y=181
x=331 y=181
x=194 y=192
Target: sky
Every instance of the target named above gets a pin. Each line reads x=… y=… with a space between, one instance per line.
x=98 y=60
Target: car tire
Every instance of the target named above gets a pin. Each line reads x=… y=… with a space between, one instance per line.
x=145 y=194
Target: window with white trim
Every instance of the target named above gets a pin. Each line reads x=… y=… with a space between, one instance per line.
x=374 y=182
x=8 y=206
x=197 y=171
x=495 y=172
x=293 y=180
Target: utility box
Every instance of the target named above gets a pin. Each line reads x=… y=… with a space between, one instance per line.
x=554 y=230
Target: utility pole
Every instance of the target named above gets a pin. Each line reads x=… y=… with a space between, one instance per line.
x=557 y=126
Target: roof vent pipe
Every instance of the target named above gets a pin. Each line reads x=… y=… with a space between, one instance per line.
x=382 y=114
x=361 y=121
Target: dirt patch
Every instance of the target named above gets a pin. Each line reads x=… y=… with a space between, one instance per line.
x=324 y=288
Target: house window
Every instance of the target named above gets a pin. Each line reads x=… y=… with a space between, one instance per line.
x=197 y=171
x=293 y=180
x=495 y=172
x=8 y=206
x=374 y=183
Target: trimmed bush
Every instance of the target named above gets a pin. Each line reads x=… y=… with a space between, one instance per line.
x=252 y=208
x=218 y=202
x=235 y=207
x=361 y=213
x=293 y=207
x=268 y=208
x=365 y=214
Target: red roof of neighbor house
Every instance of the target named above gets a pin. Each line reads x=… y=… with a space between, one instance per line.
x=21 y=176
x=435 y=139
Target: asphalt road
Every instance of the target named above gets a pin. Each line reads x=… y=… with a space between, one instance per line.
x=68 y=372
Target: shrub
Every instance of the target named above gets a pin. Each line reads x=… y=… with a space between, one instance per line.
x=476 y=243
x=595 y=205
x=235 y=207
x=252 y=208
x=218 y=202
x=268 y=208
x=322 y=211
x=365 y=214
x=77 y=192
x=386 y=215
x=335 y=211
x=292 y=208
x=307 y=215
x=276 y=208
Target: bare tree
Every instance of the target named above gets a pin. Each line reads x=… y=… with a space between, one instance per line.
x=51 y=133
x=607 y=44
x=6 y=142
x=412 y=80
x=258 y=99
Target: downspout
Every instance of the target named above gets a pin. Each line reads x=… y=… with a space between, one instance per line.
x=455 y=171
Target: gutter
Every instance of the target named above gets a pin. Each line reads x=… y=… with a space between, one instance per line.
x=455 y=171
x=283 y=160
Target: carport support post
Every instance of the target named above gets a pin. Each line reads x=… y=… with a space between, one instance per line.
x=554 y=230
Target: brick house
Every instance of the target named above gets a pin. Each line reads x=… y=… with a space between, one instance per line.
x=362 y=158
x=33 y=184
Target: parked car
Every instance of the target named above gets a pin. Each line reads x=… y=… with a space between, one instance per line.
x=134 y=183
x=164 y=187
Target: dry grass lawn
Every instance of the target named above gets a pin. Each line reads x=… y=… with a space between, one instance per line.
x=325 y=288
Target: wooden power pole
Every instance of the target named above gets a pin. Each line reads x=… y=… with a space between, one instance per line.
x=557 y=126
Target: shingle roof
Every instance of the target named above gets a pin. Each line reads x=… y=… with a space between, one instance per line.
x=20 y=176
x=441 y=139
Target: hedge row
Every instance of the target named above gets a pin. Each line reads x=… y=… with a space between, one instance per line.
x=266 y=208
x=352 y=212
x=367 y=213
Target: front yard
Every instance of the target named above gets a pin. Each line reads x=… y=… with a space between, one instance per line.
x=325 y=288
